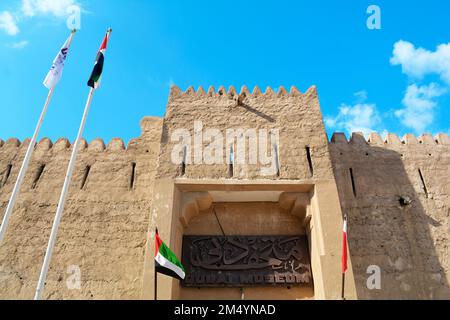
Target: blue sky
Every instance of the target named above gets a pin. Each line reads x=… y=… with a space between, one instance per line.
x=364 y=84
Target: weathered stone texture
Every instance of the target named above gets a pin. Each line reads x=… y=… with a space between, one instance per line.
x=296 y=115
x=409 y=242
x=104 y=227
x=398 y=204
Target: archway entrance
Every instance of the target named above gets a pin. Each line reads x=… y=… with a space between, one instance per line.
x=244 y=209
x=246 y=250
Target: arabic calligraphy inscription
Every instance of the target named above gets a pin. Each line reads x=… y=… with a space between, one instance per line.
x=236 y=261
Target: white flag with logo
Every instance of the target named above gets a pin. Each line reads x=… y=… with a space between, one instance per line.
x=55 y=73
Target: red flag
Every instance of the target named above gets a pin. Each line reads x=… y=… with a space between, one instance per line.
x=344 y=246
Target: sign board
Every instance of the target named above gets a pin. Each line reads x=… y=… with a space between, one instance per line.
x=239 y=261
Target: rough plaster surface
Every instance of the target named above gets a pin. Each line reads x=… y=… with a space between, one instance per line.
x=105 y=225
x=297 y=116
x=410 y=243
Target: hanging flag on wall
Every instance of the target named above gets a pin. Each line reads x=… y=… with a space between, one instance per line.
x=55 y=73
x=94 y=80
x=165 y=260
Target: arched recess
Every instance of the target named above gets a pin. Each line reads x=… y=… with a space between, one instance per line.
x=246 y=214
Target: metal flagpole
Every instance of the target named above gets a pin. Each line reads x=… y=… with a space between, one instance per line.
x=62 y=200
x=26 y=160
x=156 y=273
x=24 y=167
x=156 y=284
x=344 y=256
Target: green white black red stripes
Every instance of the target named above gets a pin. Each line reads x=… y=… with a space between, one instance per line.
x=94 y=80
x=165 y=260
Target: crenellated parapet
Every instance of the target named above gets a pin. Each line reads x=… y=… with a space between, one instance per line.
x=151 y=131
x=12 y=143
x=391 y=140
x=63 y=144
x=233 y=94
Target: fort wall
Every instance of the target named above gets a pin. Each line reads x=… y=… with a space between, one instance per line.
x=104 y=227
x=394 y=191
x=398 y=207
x=304 y=172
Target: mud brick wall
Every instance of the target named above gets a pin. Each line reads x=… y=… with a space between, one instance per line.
x=297 y=116
x=399 y=212
x=104 y=226
x=396 y=193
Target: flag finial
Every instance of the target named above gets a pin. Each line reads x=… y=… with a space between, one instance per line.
x=74 y=30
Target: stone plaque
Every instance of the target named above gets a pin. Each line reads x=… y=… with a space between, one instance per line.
x=239 y=261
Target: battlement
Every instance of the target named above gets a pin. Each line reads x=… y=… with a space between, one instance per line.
x=393 y=189
x=150 y=128
x=391 y=139
x=232 y=93
x=63 y=144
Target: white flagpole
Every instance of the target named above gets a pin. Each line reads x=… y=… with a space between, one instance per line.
x=26 y=161
x=24 y=167
x=62 y=200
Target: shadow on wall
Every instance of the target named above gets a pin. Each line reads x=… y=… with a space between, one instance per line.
x=397 y=200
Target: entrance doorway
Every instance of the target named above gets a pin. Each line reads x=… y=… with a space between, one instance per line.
x=248 y=220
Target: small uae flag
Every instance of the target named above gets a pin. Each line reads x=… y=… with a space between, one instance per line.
x=94 y=80
x=165 y=260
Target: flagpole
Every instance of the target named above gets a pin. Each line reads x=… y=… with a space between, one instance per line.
x=156 y=284
x=27 y=159
x=156 y=273
x=344 y=255
x=24 y=167
x=62 y=200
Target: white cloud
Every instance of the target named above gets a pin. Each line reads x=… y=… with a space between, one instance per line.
x=19 y=45
x=361 y=96
x=419 y=62
x=420 y=103
x=29 y=8
x=57 y=8
x=8 y=23
x=361 y=117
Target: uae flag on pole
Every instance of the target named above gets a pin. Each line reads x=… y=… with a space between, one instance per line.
x=344 y=246
x=94 y=80
x=165 y=260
